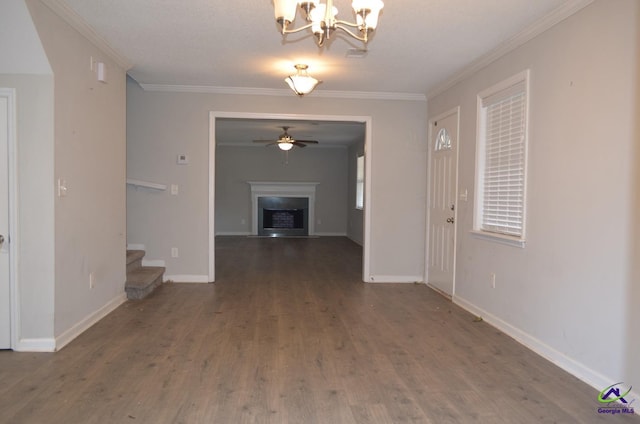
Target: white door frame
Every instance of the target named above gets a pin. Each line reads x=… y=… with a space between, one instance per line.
x=431 y=136
x=12 y=237
x=366 y=263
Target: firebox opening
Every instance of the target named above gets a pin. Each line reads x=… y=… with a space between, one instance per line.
x=283 y=216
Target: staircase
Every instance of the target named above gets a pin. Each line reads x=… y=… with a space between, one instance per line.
x=141 y=280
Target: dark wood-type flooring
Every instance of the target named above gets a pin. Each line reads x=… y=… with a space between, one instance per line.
x=289 y=334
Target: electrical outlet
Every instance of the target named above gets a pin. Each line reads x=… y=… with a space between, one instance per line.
x=492 y=279
x=92 y=280
x=174 y=252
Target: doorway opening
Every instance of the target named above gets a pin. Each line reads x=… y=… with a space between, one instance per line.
x=235 y=129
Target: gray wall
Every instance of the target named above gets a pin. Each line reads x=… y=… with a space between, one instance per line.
x=568 y=293
x=35 y=209
x=164 y=124
x=237 y=165
x=68 y=126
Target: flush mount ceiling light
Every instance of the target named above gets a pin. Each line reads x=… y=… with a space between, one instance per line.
x=301 y=82
x=322 y=20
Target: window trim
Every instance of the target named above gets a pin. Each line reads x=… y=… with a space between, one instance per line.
x=522 y=78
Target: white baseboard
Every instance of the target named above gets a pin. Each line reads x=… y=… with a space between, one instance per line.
x=329 y=234
x=358 y=242
x=233 y=233
x=573 y=367
x=135 y=246
x=66 y=337
x=187 y=278
x=36 y=345
x=395 y=279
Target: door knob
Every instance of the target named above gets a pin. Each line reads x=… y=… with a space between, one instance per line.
x=1 y=239
x=450 y=220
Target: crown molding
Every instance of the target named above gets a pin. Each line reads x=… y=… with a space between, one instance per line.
x=555 y=17
x=207 y=89
x=62 y=9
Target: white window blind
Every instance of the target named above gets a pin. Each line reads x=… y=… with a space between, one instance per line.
x=503 y=161
x=360 y=183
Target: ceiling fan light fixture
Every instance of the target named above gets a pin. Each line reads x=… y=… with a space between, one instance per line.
x=301 y=82
x=285 y=145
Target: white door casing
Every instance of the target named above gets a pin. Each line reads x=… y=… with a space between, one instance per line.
x=5 y=262
x=443 y=181
x=213 y=115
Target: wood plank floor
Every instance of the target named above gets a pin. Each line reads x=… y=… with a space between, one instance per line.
x=289 y=334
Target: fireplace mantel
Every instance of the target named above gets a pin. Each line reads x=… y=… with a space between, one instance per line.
x=282 y=189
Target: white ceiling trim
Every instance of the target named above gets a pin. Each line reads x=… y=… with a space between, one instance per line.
x=60 y=8
x=206 y=89
x=552 y=19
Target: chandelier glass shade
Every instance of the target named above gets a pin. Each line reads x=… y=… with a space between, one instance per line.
x=322 y=18
x=301 y=82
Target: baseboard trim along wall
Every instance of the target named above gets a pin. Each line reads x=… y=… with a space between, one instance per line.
x=66 y=337
x=414 y=279
x=36 y=345
x=573 y=367
x=186 y=278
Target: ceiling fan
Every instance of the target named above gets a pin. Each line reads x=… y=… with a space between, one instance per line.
x=285 y=141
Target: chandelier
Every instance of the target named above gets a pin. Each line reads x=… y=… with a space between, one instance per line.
x=301 y=82
x=322 y=20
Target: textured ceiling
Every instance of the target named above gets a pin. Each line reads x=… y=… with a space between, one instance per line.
x=418 y=43
x=235 y=131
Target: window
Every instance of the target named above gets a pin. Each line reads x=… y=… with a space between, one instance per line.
x=360 y=182
x=501 y=161
x=443 y=140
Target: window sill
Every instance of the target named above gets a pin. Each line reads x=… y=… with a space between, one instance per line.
x=498 y=238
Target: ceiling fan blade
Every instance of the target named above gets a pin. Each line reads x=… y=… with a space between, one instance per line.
x=307 y=141
x=298 y=144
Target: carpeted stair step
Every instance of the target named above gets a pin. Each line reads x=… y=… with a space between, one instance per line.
x=142 y=281
x=134 y=259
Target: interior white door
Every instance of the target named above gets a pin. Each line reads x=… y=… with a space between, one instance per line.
x=5 y=291
x=442 y=201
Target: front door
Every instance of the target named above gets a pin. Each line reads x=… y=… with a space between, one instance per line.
x=5 y=291
x=443 y=136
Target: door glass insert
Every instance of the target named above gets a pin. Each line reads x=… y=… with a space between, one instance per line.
x=443 y=140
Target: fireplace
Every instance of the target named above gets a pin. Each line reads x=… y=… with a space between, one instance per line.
x=282 y=208
x=283 y=216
